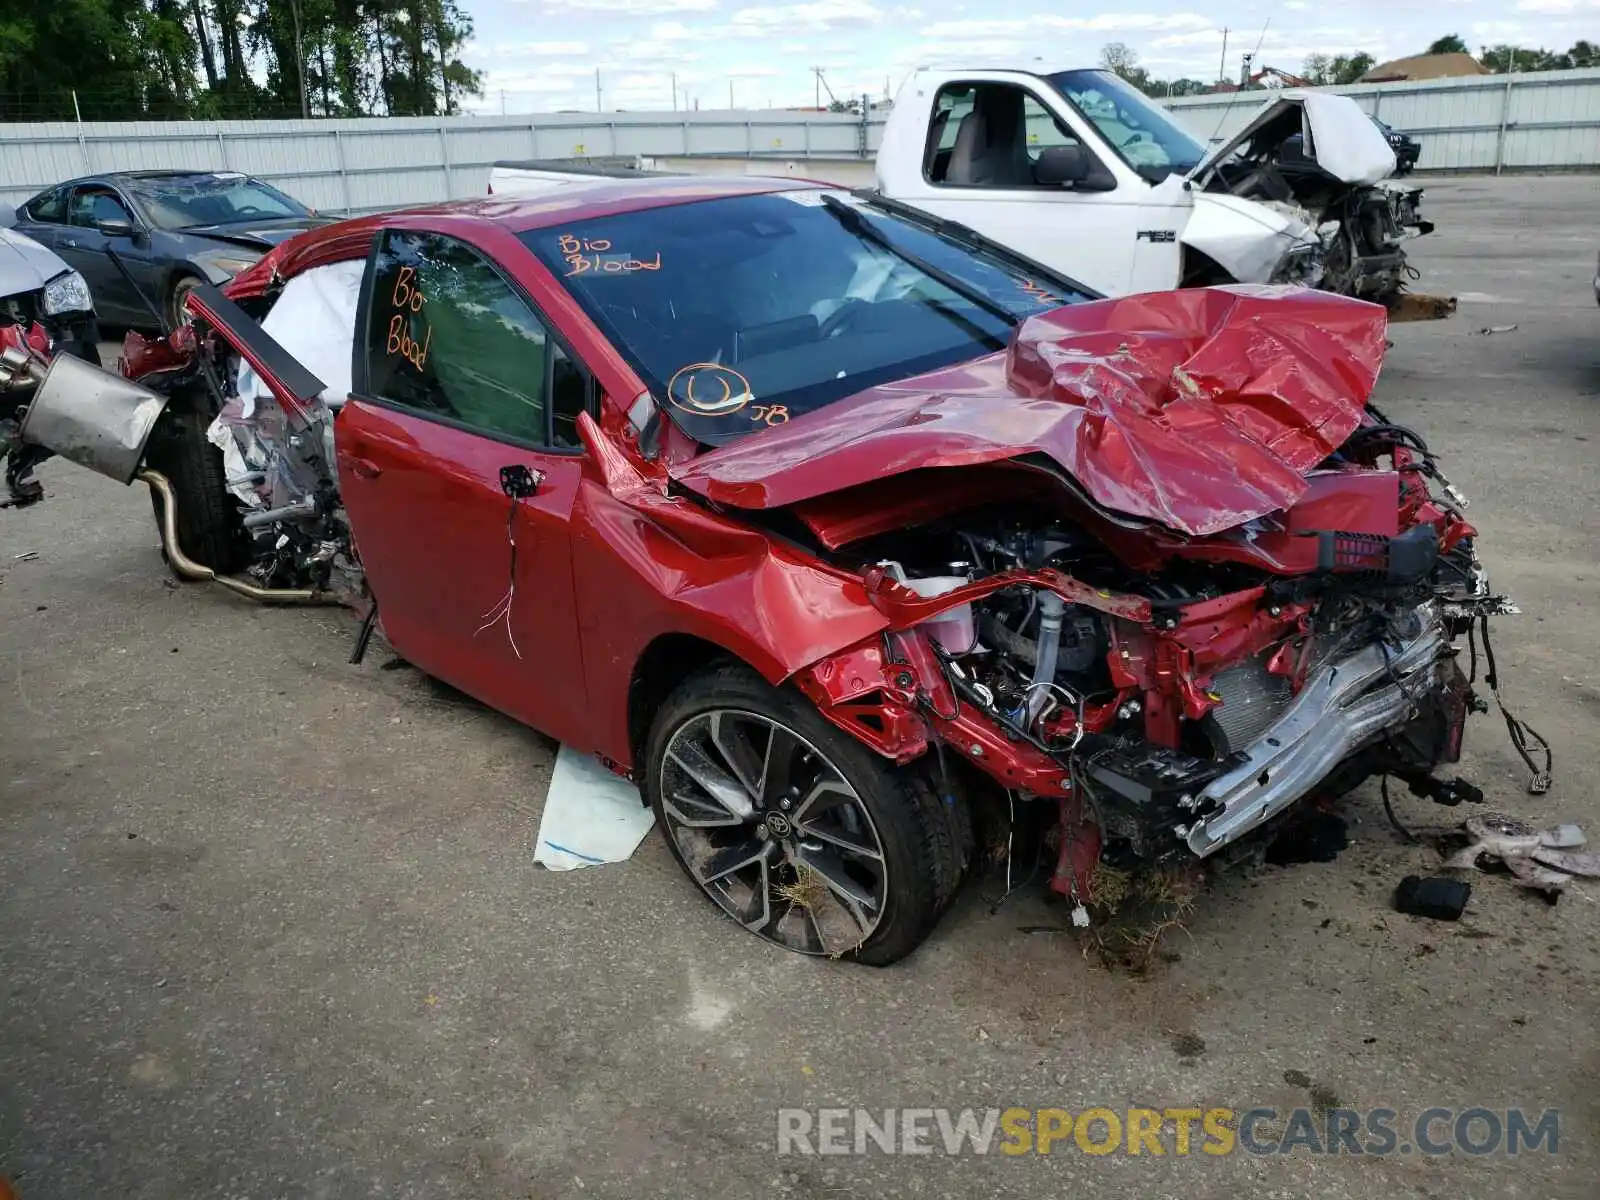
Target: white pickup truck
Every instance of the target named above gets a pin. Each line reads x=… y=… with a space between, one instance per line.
x=1080 y=171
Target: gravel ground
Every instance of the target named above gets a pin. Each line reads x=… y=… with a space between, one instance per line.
x=269 y=924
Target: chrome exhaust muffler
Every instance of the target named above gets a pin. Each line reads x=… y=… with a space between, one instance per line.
x=91 y=417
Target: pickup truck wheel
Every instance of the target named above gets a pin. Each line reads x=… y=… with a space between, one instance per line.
x=793 y=828
x=209 y=529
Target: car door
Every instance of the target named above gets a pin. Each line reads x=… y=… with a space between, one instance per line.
x=459 y=466
x=81 y=244
x=1090 y=235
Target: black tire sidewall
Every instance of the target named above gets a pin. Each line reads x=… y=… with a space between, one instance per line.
x=911 y=906
x=182 y=285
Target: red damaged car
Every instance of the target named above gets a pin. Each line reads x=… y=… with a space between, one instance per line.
x=822 y=519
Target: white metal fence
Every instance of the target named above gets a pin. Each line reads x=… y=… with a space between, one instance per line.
x=362 y=165
x=1493 y=122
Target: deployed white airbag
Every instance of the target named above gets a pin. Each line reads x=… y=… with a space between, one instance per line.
x=315 y=321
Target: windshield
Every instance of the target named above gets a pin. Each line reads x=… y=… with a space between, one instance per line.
x=180 y=201
x=746 y=312
x=1141 y=132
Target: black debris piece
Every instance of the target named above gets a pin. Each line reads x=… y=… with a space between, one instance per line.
x=1435 y=897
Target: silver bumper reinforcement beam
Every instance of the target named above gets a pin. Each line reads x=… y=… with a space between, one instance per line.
x=1343 y=706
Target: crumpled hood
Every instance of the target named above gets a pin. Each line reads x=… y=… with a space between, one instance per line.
x=25 y=265
x=262 y=235
x=1198 y=409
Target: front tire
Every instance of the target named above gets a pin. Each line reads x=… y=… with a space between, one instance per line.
x=793 y=828
x=209 y=529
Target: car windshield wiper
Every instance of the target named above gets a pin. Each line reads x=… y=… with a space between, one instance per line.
x=965 y=235
x=857 y=224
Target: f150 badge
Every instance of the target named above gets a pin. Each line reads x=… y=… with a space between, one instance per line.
x=1156 y=235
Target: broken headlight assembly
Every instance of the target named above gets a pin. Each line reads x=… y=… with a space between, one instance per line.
x=67 y=293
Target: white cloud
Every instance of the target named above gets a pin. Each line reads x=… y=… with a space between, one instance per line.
x=1556 y=7
x=820 y=14
x=527 y=50
x=1032 y=27
x=671 y=31
x=633 y=8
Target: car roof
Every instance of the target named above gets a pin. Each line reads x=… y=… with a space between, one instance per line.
x=112 y=177
x=604 y=196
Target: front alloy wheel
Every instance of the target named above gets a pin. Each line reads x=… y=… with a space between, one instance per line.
x=795 y=829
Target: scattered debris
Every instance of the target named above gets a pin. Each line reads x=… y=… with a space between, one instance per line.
x=26 y=556
x=1435 y=897
x=590 y=815
x=1488 y=329
x=1544 y=860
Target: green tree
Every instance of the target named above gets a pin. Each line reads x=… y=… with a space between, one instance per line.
x=1450 y=43
x=1349 y=68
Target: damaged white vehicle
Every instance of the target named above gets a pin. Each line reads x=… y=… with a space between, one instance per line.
x=1080 y=171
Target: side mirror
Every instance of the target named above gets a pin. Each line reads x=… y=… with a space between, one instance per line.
x=8 y=215
x=1074 y=167
x=118 y=227
x=1062 y=164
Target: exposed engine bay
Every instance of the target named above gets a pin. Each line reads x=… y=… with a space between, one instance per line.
x=1327 y=175
x=1172 y=704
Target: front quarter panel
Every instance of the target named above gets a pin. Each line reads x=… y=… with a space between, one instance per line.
x=648 y=565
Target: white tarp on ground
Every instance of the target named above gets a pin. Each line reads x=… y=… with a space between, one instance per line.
x=590 y=815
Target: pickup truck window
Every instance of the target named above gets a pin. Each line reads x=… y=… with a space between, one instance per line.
x=743 y=312
x=990 y=135
x=1141 y=133
x=448 y=336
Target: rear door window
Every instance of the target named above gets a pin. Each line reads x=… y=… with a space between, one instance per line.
x=449 y=336
x=48 y=208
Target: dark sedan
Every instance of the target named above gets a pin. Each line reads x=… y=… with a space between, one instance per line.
x=174 y=230
x=1406 y=148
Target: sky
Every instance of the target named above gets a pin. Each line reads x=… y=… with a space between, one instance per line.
x=541 y=55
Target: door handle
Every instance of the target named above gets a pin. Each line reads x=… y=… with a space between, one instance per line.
x=365 y=467
x=70 y=242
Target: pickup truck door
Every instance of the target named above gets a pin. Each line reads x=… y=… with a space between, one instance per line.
x=459 y=471
x=975 y=168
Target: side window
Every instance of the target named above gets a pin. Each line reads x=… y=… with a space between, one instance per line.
x=90 y=205
x=448 y=336
x=48 y=208
x=991 y=135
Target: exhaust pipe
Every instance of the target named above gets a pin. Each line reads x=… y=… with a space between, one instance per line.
x=102 y=421
x=189 y=569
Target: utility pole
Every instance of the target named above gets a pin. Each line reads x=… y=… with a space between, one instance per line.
x=502 y=102
x=730 y=95
x=674 y=91
x=817 y=88
x=597 y=107
x=1222 y=63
